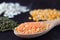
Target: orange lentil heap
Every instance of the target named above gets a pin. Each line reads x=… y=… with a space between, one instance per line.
x=44 y=14
x=31 y=27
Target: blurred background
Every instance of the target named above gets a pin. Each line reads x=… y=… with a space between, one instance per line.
x=54 y=34
x=38 y=3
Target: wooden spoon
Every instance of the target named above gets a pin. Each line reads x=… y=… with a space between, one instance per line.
x=52 y=25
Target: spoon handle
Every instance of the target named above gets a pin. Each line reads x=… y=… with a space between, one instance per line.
x=56 y=22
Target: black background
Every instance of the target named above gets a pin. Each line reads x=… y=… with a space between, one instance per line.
x=54 y=34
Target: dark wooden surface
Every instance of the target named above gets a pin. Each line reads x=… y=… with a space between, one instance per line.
x=54 y=34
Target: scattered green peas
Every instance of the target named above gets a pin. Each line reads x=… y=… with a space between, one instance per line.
x=7 y=24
